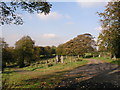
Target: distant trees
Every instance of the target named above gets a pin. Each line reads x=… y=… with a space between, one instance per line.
x=8 y=10
x=49 y=51
x=60 y=50
x=24 y=50
x=109 y=38
x=78 y=46
x=3 y=46
x=44 y=52
x=7 y=54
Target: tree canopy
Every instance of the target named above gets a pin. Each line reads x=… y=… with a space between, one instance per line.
x=7 y=53
x=109 y=38
x=8 y=10
x=81 y=44
x=24 y=49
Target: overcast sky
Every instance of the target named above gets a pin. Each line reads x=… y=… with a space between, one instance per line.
x=65 y=21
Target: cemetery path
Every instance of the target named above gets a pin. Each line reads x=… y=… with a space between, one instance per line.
x=96 y=74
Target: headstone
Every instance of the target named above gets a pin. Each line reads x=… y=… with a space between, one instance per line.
x=62 y=59
x=114 y=58
x=47 y=61
x=66 y=57
x=57 y=58
x=99 y=55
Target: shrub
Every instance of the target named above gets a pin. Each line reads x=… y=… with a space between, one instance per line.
x=79 y=60
x=49 y=65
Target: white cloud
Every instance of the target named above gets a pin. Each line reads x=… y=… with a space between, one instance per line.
x=90 y=3
x=52 y=16
x=93 y=0
x=49 y=39
x=86 y=4
x=50 y=35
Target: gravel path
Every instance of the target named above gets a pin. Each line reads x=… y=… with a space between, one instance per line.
x=96 y=74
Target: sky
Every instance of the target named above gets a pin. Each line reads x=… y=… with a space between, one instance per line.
x=65 y=21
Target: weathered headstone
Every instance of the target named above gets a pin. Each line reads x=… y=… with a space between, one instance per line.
x=99 y=55
x=114 y=58
x=62 y=59
x=66 y=57
x=57 y=58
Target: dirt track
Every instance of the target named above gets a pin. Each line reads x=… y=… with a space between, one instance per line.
x=96 y=74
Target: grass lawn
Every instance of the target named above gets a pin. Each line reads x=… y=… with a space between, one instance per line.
x=108 y=60
x=40 y=76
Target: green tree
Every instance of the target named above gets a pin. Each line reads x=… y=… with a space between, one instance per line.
x=53 y=50
x=8 y=10
x=48 y=51
x=77 y=46
x=60 y=49
x=36 y=53
x=81 y=44
x=3 y=52
x=24 y=49
x=109 y=38
x=7 y=56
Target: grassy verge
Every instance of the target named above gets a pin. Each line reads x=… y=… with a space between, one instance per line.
x=40 y=76
x=108 y=60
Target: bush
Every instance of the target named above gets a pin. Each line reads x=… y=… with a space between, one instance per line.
x=79 y=60
x=6 y=85
x=88 y=56
x=49 y=65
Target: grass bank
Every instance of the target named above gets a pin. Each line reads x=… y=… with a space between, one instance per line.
x=108 y=60
x=40 y=76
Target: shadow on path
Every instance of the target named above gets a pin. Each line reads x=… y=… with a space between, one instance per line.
x=93 y=75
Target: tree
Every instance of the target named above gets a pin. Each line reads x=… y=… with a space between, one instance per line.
x=3 y=45
x=8 y=10
x=81 y=44
x=24 y=49
x=77 y=46
x=49 y=51
x=109 y=38
x=60 y=50
x=36 y=53
x=6 y=56
x=11 y=51
x=53 y=50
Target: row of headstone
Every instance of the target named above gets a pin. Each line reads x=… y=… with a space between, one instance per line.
x=59 y=58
